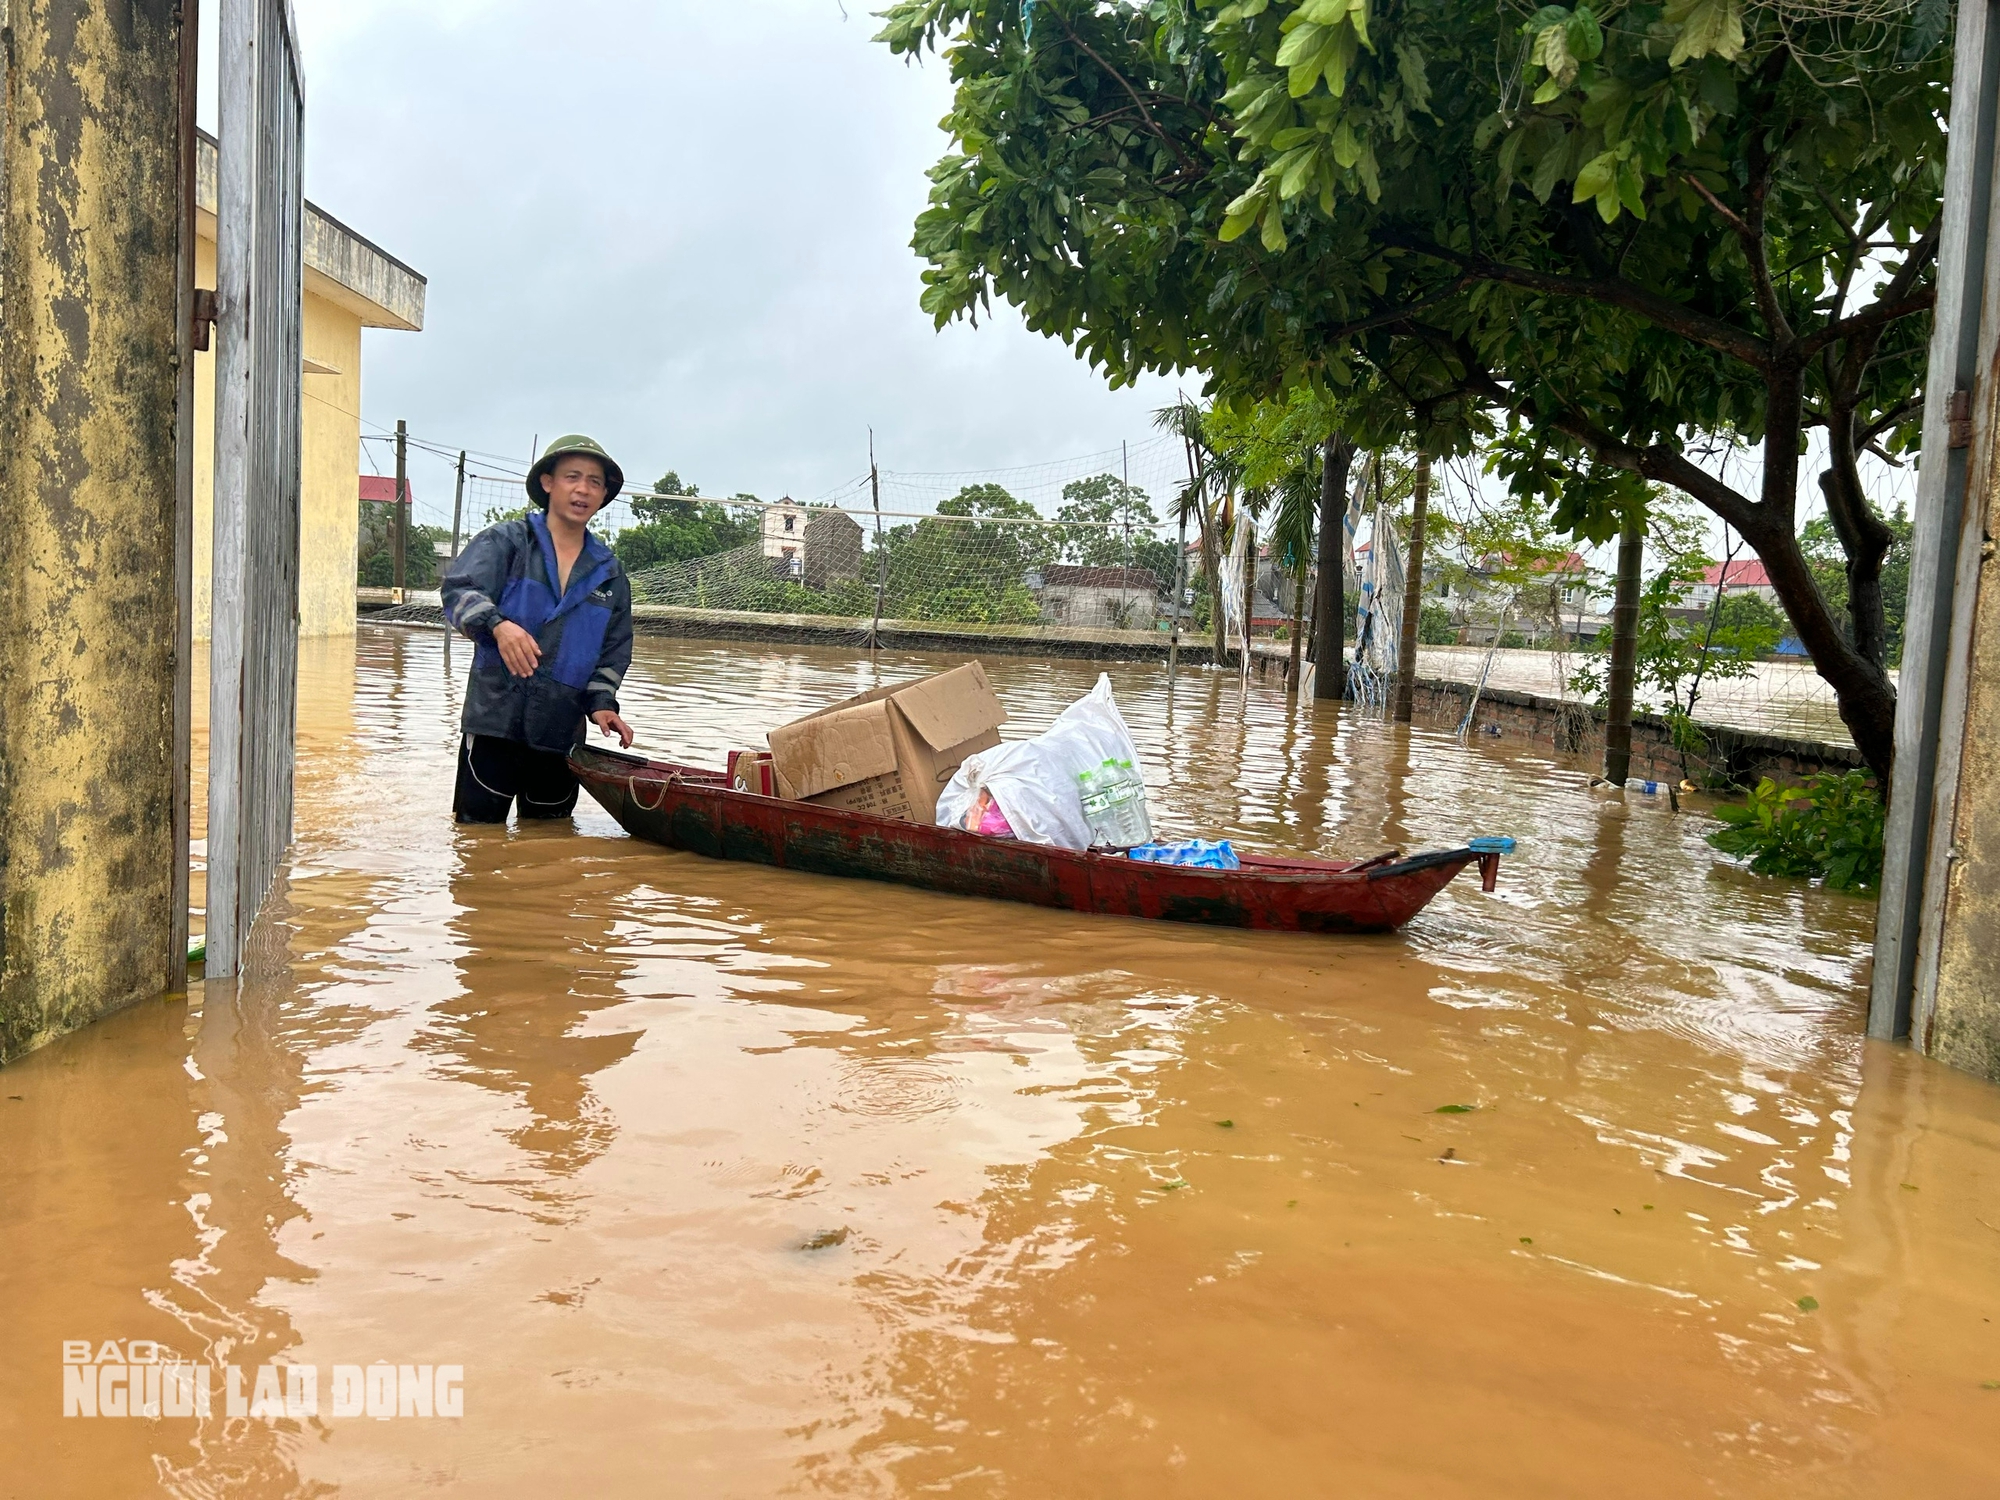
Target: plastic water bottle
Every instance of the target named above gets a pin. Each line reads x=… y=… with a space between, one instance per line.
x=1114 y=803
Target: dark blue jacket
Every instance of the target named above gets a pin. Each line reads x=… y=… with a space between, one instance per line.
x=508 y=573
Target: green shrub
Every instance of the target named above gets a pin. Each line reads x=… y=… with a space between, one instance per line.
x=1513 y=640
x=1831 y=827
x=1434 y=626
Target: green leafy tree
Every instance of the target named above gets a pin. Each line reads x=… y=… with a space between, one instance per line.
x=1678 y=655
x=1434 y=626
x=972 y=569
x=1105 y=523
x=675 y=525
x=1594 y=242
x=423 y=567
x=1831 y=828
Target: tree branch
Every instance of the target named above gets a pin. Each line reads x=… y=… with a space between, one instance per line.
x=1655 y=461
x=1700 y=328
x=1144 y=113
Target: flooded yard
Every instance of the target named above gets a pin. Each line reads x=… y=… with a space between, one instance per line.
x=722 y=1181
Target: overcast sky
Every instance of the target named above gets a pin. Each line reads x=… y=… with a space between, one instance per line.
x=679 y=225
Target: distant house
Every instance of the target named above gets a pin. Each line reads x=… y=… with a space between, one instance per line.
x=1746 y=576
x=833 y=548
x=783 y=537
x=1123 y=598
x=813 y=547
x=1478 y=591
x=377 y=529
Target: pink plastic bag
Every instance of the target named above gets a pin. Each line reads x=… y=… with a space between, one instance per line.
x=984 y=816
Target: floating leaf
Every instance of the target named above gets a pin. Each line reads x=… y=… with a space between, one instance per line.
x=1227 y=1124
x=1526 y=1241
x=1808 y=1304
x=1454 y=1109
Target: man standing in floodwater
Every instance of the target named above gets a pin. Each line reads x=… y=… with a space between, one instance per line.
x=550 y=611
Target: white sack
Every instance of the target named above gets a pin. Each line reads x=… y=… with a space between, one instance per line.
x=1035 y=781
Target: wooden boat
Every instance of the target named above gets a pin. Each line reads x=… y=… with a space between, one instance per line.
x=684 y=807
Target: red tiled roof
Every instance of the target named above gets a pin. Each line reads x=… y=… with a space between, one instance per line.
x=1064 y=575
x=382 y=488
x=1747 y=574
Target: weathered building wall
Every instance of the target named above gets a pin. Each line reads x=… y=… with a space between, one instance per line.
x=350 y=284
x=90 y=234
x=329 y=445
x=330 y=437
x=1962 y=1022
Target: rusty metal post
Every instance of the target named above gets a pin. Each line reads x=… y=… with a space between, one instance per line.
x=458 y=505
x=95 y=270
x=1413 y=595
x=881 y=554
x=1624 y=650
x=401 y=520
x=1330 y=603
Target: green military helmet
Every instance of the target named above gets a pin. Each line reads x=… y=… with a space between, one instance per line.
x=574 y=442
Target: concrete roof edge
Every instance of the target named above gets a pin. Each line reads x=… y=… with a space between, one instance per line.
x=390 y=287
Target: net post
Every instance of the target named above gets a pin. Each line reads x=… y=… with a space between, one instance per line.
x=881 y=554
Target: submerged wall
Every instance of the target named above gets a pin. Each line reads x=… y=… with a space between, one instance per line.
x=90 y=333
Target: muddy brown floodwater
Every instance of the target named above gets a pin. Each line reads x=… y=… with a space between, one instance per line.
x=721 y=1181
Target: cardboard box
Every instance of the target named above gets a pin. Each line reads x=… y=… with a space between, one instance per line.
x=750 y=771
x=889 y=752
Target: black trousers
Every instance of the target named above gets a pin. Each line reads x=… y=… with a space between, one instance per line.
x=493 y=774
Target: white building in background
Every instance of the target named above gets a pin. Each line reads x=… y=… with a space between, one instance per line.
x=1122 y=598
x=784 y=537
x=1746 y=576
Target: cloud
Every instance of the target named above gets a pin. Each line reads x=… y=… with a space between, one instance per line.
x=683 y=227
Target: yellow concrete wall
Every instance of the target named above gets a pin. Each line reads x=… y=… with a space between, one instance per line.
x=330 y=458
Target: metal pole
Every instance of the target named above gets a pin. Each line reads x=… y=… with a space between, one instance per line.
x=401 y=520
x=1624 y=649
x=458 y=503
x=881 y=553
x=236 y=112
x=1330 y=605
x=1920 y=799
x=1413 y=595
x=1125 y=512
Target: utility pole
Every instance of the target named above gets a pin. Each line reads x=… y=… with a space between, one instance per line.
x=1330 y=605
x=881 y=553
x=1125 y=513
x=1413 y=595
x=1624 y=648
x=401 y=520
x=458 y=503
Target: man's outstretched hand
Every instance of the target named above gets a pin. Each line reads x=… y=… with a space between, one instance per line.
x=610 y=723
x=517 y=648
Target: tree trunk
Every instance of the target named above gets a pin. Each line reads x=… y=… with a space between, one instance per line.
x=1330 y=602
x=1624 y=650
x=1863 y=537
x=1211 y=570
x=1298 y=625
x=1249 y=581
x=1862 y=689
x=1413 y=595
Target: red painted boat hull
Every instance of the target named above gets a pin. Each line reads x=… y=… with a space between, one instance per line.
x=687 y=808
